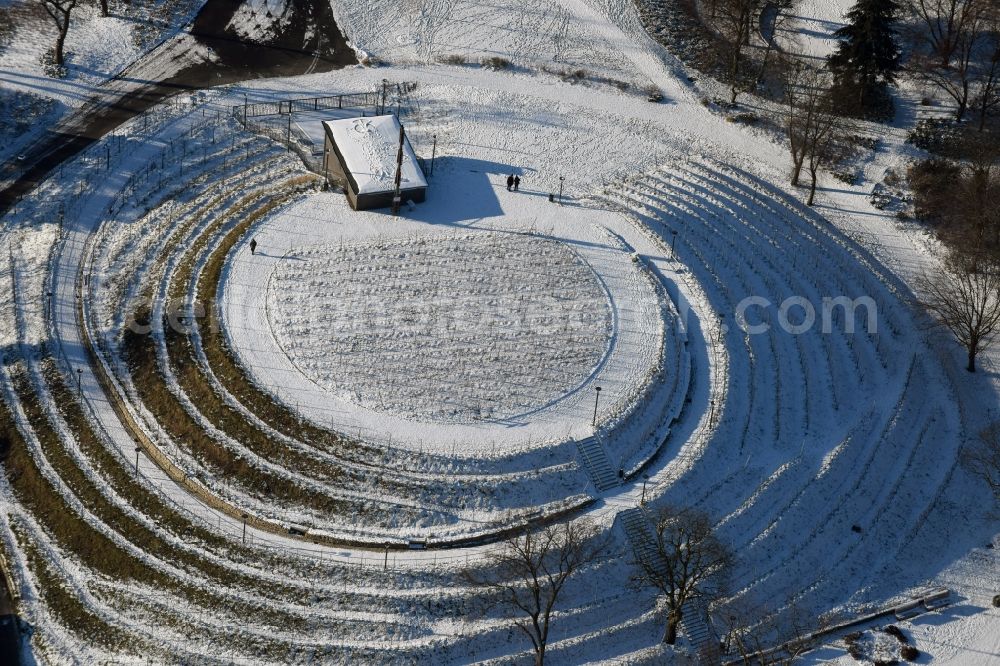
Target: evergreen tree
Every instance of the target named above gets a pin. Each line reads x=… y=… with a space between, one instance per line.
x=868 y=55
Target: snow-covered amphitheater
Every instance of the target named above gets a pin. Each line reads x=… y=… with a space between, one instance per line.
x=296 y=454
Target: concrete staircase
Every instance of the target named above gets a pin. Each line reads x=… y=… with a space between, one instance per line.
x=598 y=466
x=641 y=538
x=694 y=624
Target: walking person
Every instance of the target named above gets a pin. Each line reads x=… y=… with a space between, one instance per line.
x=510 y=181
x=517 y=182
x=253 y=246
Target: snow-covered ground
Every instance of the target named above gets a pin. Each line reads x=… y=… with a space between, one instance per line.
x=827 y=457
x=806 y=29
x=513 y=367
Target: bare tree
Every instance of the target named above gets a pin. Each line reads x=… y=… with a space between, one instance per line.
x=59 y=11
x=814 y=129
x=978 y=201
x=103 y=4
x=965 y=298
x=687 y=560
x=982 y=458
x=762 y=636
x=945 y=24
x=956 y=72
x=529 y=572
x=805 y=97
x=825 y=144
x=986 y=85
x=735 y=20
x=781 y=16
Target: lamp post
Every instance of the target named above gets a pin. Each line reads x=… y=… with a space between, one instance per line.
x=434 y=148
x=711 y=415
x=597 y=397
x=245 y=528
x=385 y=563
x=561 y=179
x=137 y=449
x=645 y=478
x=673 y=241
x=79 y=375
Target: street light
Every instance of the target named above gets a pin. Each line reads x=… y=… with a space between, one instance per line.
x=137 y=449
x=79 y=374
x=245 y=528
x=434 y=149
x=561 y=179
x=673 y=241
x=597 y=397
x=645 y=478
x=385 y=564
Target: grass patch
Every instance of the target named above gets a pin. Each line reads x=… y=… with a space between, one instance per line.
x=93 y=549
x=124 y=483
x=140 y=355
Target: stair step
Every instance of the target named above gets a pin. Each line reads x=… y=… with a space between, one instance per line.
x=596 y=462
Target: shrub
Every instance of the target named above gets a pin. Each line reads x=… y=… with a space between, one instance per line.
x=996 y=601
x=935 y=135
x=452 y=59
x=909 y=653
x=745 y=118
x=933 y=181
x=846 y=177
x=49 y=66
x=495 y=63
x=869 y=142
x=893 y=630
x=6 y=26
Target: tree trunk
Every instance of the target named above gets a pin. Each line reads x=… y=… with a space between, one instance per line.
x=963 y=104
x=796 y=170
x=540 y=655
x=673 y=620
x=104 y=8
x=812 y=187
x=972 y=359
x=61 y=41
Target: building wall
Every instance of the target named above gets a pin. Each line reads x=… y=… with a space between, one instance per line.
x=384 y=199
x=332 y=168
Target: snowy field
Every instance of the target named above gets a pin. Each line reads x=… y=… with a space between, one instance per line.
x=442 y=329
x=826 y=455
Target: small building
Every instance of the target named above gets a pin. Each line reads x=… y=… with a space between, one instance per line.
x=360 y=153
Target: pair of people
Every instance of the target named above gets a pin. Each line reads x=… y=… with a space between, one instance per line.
x=513 y=182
